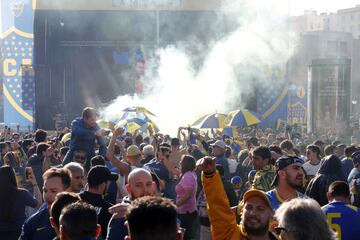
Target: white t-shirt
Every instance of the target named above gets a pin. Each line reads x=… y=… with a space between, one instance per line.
x=232 y=165
x=310 y=169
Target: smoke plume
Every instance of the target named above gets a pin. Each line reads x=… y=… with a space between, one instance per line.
x=179 y=90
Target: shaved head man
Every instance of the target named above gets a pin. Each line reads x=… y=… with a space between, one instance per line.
x=140 y=183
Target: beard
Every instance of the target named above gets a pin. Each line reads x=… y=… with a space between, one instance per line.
x=294 y=183
x=256 y=231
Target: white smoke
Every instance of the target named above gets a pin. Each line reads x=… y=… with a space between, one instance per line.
x=179 y=93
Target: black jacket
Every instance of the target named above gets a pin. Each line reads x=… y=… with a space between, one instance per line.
x=102 y=209
x=36 y=162
x=329 y=172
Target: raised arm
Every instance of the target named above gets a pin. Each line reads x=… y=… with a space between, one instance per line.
x=110 y=154
x=222 y=219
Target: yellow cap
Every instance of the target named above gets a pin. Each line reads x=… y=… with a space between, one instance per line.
x=133 y=151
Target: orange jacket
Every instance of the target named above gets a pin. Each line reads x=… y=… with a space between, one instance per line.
x=222 y=219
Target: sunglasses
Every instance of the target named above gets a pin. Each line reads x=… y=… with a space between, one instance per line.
x=279 y=230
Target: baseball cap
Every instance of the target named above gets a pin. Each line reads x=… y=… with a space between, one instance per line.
x=100 y=174
x=236 y=180
x=256 y=193
x=356 y=158
x=219 y=143
x=133 y=151
x=282 y=163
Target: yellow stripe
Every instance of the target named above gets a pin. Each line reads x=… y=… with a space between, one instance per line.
x=250 y=118
x=277 y=103
x=16 y=106
x=34 y=4
x=17 y=31
x=352 y=207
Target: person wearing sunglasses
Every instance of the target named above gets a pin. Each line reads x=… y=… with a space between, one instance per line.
x=301 y=219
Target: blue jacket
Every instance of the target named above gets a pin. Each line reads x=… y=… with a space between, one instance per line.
x=38 y=226
x=116 y=228
x=82 y=137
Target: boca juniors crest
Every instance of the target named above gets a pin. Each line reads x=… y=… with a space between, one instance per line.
x=18 y=73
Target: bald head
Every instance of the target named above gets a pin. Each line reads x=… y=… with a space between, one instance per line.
x=137 y=173
x=140 y=183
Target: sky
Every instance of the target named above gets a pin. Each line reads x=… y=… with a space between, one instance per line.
x=297 y=7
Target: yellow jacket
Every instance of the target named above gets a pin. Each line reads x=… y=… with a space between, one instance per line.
x=222 y=219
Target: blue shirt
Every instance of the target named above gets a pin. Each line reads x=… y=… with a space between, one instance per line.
x=163 y=174
x=116 y=229
x=347 y=165
x=38 y=226
x=276 y=200
x=344 y=219
x=353 y=174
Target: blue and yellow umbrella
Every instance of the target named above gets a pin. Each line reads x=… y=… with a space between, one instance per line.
x=132 y=122
x=130 y=125
x=138 y=109
x=216 y=120
x=105 y=124
x=242 y=118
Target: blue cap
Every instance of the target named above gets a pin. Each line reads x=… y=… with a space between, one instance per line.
x=236 y=180
x=252 y=173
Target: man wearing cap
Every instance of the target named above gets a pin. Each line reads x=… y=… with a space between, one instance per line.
x=265 y=172
x=133 y=155
x=289 y=177
x=218 y=151
x=256 y=208
x=99 y=178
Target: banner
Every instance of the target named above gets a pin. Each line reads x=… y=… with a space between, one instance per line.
x=17 y=57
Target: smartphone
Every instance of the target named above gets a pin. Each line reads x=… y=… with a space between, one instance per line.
x=27 y=172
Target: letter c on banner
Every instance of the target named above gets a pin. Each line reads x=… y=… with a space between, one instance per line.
x=8 y=70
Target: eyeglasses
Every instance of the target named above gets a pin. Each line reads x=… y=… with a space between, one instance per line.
x=279 y=230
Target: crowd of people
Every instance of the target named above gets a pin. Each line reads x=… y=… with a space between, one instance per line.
x=91 y=183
